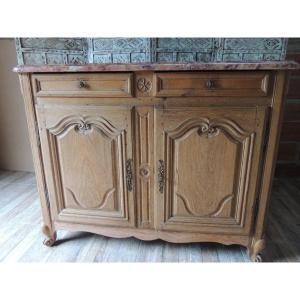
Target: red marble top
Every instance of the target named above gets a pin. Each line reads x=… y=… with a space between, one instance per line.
x=219 y=66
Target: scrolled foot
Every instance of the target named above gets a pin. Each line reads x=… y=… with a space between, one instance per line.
x=49 y=242
x=50 y=236
x=258 y=258
x=254 y=251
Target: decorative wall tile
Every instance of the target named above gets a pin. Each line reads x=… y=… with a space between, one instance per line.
x=183 y=49
x=75 y=59
x=184 y=43
x=231 y=57
x=204 y=57
x=54 y=43
x=122 y=50
x=252 y=56
x=242 y=49
x=34 y=58
x=120 y=44
x=102 y=58
x=138 y=50
x=272 y=56
x=53 y=50
x=163 y=57
x=252 y=43
x=121 y=58
x=138 y=57
x=185 y=57
x=54 y=59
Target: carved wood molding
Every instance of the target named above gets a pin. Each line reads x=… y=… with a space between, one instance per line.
x=84 y=124
x=144 y=85
x=102 y=202
x=214 y=213
x=144 y=165
x=210 y=128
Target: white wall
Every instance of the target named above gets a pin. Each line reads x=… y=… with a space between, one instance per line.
x=15 y=153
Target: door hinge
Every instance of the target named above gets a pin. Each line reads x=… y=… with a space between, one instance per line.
x=161 y=176
x=266 y=136
x=255 y=211
x=37 y=133
x=129 y=176
x=47 y=198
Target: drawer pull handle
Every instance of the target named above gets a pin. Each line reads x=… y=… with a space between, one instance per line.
x=210 y=84
x=82 y=84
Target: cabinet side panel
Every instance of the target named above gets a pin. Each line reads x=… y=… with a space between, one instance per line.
x=271 y=153
x=35 y=148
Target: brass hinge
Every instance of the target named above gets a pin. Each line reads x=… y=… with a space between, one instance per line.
x=129 y=175
x=161 y=175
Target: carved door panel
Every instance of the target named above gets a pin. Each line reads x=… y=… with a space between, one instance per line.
x=88 y=163
x=207 y=164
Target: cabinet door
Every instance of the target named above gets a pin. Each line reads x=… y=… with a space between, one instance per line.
x=87 y=154
x=207 y=166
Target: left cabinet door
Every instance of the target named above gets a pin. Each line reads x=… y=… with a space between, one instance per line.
x=87 y=155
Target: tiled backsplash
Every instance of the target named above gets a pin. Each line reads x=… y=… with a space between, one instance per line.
x=134 y=50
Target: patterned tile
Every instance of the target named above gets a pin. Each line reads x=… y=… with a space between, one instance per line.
x=135 y=50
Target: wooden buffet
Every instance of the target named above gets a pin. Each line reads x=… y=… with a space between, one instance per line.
x=179 y=152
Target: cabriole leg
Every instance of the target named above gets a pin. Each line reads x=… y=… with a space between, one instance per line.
x=255 y=249
x=50 y=236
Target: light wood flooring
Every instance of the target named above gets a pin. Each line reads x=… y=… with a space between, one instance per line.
x=21 y=237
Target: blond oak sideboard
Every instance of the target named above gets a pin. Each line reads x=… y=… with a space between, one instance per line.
x=178 y=152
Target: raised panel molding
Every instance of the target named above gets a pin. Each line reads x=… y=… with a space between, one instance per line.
x=229 y=208
x=113 y=202
x=144 y=168
x=215 y=213
x=83 y=125
x=101 y=205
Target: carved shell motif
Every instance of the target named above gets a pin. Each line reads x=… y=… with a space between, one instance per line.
x=84 y=125
x=208 y=130
x=83 y=128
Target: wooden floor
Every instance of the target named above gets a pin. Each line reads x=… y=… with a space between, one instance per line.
x=21 y=237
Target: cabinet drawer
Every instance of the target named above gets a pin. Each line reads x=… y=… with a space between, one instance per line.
x=84 y=85
x=236 y=84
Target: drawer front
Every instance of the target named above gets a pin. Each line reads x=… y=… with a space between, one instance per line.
x=236 y=84
x=84 y=85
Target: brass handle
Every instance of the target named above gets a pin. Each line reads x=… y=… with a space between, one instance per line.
x=82 y=84
x=129 y=175
x=210 y=84
x=161 y=176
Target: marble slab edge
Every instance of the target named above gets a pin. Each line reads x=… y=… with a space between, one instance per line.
x=271 y=65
